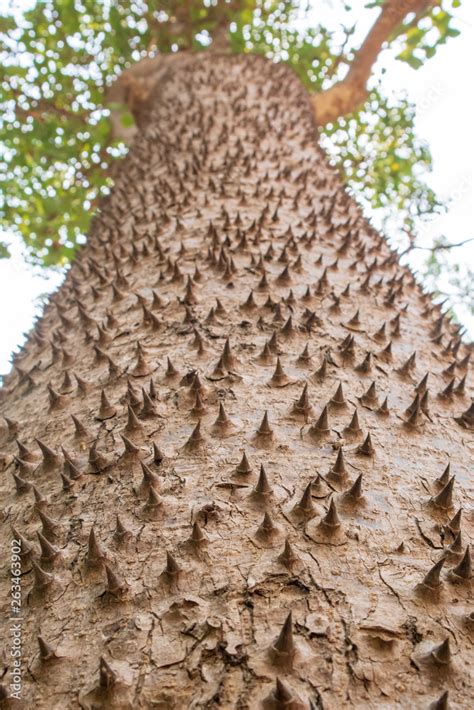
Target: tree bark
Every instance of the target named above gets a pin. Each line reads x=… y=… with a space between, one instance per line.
x=228 y=276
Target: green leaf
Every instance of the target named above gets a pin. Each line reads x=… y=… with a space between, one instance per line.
x=127 y=120
x=4 y=251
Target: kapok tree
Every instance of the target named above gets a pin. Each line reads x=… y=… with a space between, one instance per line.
x=236 y=444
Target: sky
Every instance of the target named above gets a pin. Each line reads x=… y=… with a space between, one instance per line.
x=441 y=90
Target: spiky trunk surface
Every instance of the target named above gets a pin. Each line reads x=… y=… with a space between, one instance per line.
x=183 y=604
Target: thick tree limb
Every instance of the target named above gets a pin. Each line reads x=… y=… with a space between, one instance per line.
x=349 y=93
x=131 y=90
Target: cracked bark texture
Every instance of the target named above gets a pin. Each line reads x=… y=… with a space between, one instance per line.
x=226 y=192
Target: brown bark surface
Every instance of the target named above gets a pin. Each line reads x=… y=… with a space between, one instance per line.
x=226 y=193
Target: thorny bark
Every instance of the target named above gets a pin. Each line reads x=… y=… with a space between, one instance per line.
x=226 y=192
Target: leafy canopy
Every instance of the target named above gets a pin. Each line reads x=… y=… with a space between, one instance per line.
x=58 y=57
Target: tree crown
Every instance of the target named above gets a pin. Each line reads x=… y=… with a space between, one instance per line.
x=59 y=57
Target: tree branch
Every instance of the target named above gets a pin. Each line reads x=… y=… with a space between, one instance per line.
x=132 y=89
x=437 y=247
x=351 y=92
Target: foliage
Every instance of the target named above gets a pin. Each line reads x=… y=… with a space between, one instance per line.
x=383 y=160
x=420 y=36
x=58 y=56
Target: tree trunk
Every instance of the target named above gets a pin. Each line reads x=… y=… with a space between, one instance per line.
x=222 y=418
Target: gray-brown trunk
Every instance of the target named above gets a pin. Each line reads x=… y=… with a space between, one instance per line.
x=225 y=193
